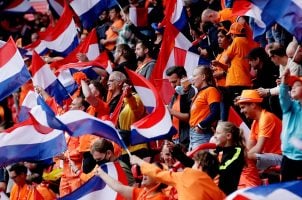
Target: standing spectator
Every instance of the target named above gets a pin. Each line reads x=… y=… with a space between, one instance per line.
x=291 y=133
x=112 y=31
x=219 y=71
x=238 y=75
x=179 y=107
x=124 y=57
x=146 y=63
x=205 y=108
x=264 y=145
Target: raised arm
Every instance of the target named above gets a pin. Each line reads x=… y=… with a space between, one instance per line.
x=124 y=190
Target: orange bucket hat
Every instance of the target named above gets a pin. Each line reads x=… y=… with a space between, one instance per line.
x=293 y=79
x=250 y=96
x=236 y=28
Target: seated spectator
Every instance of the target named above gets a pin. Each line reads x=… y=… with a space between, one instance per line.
x=264 y=145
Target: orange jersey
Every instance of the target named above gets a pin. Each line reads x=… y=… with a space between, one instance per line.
x=142 y=194
x=191 y=184
x=270 y=127
x=200 y=108
x=238 y=73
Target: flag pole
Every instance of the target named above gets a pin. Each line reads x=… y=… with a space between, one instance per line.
x=123 y=143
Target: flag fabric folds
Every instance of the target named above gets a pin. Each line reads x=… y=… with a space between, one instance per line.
x=291 y=19
x=29 y=141
x=19 y=6
x=81 y=123
x=56 y=6
x=265 y=13
x=287 y=190
x=13 y=71
x=89 y=10
x=28 y=103
x=89 y=47
x=43 y=77
x=61 y=39
x=157 y=124
x=96 y=188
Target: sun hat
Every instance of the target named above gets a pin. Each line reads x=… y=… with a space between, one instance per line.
x=249 y=96
x=293 y=79
x=236 y=28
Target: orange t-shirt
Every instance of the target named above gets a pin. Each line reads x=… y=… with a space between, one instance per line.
x=26 y=192
x=110 y=34
x=200 y=108
x=175 y=120
x=220 y=81
x=238 y=73
x=226 y=14
x=141 y=194
x=191 y=184
x=270 y=127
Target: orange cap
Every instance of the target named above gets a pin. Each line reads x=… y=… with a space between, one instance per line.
x=236 y=28
x=249 y=96
x=293 y=79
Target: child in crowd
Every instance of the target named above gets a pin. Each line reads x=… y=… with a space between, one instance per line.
x=291 y=136
x=151 y=189
x=192 y=183
x=231 y=143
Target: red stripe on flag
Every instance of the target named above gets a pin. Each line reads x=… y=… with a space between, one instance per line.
x=234 y=117
x=179 y=56
x=142 y=16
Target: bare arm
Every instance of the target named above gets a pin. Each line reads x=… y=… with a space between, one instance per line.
x=124 y=190
x=255 y=147
x=89 y=97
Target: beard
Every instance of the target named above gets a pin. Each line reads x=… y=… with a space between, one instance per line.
x=141 y=58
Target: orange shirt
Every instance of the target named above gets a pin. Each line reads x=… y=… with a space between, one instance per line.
x=226 y=14
x=200 y=108
x=191 y=184
x=26 y=192
x=238 y=73
x=175 y=120
x=141 y=194
x=270 y=127
x=110 y=34
x=45 y=192
x=220 y=81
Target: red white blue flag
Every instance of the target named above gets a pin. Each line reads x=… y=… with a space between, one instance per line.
x=13 y=71
x=19 y=6
x=29 y=141
x=157 y=124
x=61 y=39
x=287 y=190
x=96 y=188
x=43 y=77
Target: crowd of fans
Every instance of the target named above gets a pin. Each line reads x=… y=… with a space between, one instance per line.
x=259 y=79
